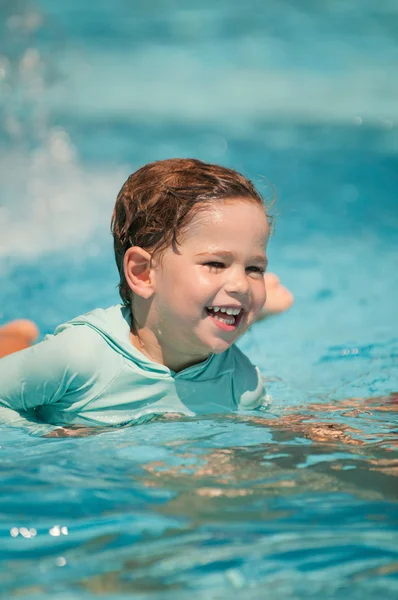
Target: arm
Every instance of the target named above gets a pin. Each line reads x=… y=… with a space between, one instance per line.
x=38 y=375
x=248 y=384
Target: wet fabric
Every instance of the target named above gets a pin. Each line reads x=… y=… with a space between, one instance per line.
x=89 y=373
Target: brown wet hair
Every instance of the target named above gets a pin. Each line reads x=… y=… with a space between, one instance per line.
x=158 y=201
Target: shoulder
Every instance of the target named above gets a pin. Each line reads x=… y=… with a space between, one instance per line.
x=80 y=348
x=248 y=384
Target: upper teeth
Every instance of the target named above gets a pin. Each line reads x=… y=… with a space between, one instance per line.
x=229 y=311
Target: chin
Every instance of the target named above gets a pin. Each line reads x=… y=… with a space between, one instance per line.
x=220 y=346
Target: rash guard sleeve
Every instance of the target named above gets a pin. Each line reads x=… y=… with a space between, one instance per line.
x=248 y=384
x=43 y=374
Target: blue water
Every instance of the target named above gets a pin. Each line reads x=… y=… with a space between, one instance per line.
x=296 y=502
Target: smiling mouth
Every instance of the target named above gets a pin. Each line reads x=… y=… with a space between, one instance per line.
x=227 y=319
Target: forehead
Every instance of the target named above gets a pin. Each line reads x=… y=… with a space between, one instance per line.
x=234 y=222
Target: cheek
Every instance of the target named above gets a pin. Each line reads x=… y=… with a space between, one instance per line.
x=206 y=286
x=205 y=280
x=182 y=292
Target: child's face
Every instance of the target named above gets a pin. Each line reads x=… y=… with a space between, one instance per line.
x=218 y=267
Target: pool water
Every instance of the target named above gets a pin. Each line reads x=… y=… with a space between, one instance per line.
x=296 y=501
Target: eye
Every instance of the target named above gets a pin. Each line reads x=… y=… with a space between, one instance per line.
x=257 y=270
x=214 y=265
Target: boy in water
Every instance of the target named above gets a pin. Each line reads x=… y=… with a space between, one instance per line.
x=22 y=333
x=190 y=244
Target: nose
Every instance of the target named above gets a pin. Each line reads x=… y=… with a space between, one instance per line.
x=237 y=282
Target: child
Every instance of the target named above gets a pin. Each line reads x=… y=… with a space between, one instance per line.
x=190 y=245
x=22 y=333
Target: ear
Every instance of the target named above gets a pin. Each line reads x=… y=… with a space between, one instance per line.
x=137 y=270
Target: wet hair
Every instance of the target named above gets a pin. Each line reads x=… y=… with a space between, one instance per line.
x=158 y=201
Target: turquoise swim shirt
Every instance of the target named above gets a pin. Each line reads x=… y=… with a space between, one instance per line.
x=89 y=373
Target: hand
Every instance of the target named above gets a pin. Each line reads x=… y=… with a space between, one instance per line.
x=279 y=298
x=17 y=335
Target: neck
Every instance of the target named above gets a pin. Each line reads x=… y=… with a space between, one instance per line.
x=147 y=342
